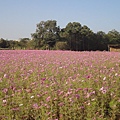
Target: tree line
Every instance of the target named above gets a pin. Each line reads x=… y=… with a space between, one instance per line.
x=73 y=37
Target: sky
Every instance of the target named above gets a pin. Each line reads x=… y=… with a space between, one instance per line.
x=18 y=18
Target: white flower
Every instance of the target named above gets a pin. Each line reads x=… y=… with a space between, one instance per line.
x=104 y=78
x=93 y=99
x=82 y=81
x=4 y=101
x=88 y=103
x=20 y=104
x=32 y=97
x=5 y=75
x=61 y=67
x=116 y=74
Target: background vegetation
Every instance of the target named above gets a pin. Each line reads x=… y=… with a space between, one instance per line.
x=73 y=37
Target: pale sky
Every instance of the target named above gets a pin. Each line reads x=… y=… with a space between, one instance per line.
x=18 y=18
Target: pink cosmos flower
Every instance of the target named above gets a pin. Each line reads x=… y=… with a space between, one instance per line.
x=48 y=99
x=77 y=96
x=103 y=90
x=35 y=106
x=61 y=104
x=15 y=109
x=5 y=90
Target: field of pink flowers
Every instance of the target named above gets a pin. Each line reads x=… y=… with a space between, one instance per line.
x=59 y=85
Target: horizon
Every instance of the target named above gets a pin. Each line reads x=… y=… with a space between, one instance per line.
x=18 y=19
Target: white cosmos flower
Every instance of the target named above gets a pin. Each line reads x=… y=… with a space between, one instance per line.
x=104 y=78
x=4 y=101
x=61 y=67
x=20 y=104
x=32 y=97
x=116 y=74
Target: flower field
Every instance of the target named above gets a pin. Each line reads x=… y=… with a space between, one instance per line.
x=59 y=85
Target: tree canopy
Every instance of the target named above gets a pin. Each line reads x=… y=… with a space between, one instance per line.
x=73 y=37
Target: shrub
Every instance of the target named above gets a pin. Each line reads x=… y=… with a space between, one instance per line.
x=62 y=46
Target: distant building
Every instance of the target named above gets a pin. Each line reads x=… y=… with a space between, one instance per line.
x=114 y=47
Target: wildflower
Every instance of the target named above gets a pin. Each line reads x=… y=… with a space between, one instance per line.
x=48 y=113
x=88 y=103
x=35 y=106
x=61 y=104
x=20 y=104
x=85 y=89
x=5 y=75
x=46 y=105
x=48 y=99
x=77 y=96
x=12 y=95
x=68 y=93
x=93 y=99
x=55 y=99
x=43 y=79
x=61 y=92
x=33 y=83
x=5 y=90
x=88 y=95
x=30 y=71
x=82 y=80
x=104 y=78
x=93 y=92
x=81 y=107
x=103 y=90
x=4 y=101
x=32 y=97
x=88 y=76
x=60 y=67
x=116 y=74
x=70 y=99
x=47 y=86
x=38 y=95
x=15 y=109
x=78 y=89
x=28 y=90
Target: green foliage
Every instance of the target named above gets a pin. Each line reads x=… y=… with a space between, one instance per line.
x=62 y=46
x=46 y=31
x=76 y=36
x=4 y=43
x=114 y=37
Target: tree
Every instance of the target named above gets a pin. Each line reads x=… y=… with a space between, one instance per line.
x=4 y=43
x=72 y=32
x=101 y=41
x=24 y=43
x=38 y=35
x=73 y=37
x=114 y=37
x=47 y=33
x=86 y=35
x=61 y=46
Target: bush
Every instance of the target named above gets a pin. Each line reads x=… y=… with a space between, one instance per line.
x=62 y=46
